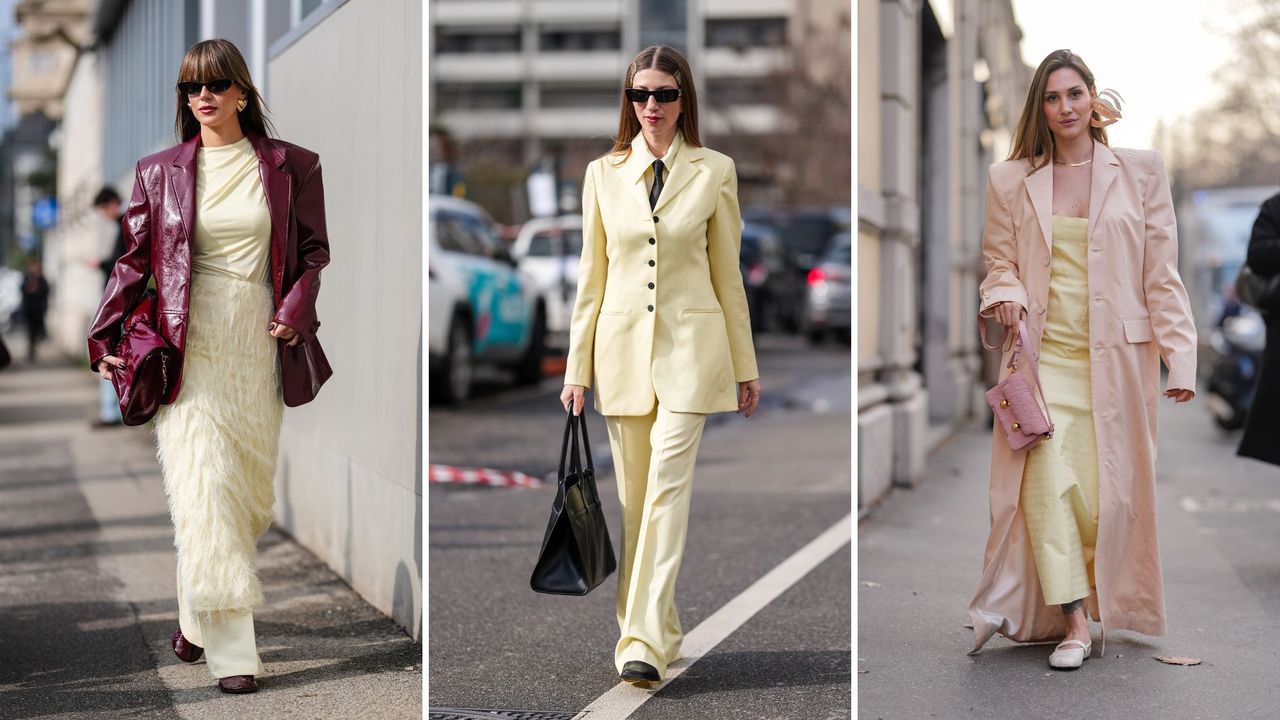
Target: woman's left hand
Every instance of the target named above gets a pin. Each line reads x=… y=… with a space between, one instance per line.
x=748 y=396
x=281 y=331
x=1180 y=395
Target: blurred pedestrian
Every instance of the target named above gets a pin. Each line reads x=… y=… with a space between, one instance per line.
x=1262 y=426
x=234 y=221
x=661 y=323
x=107 y=203
x=1080 y=243
x=35 y=304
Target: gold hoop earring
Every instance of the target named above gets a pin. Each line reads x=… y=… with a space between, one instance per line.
x=242 y=104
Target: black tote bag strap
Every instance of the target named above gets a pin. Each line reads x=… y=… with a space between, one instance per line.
x=586 y=441
x=569 y=448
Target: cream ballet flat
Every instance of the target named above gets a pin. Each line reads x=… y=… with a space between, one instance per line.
x=1070 y=654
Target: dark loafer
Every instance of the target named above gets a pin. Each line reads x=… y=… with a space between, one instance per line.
x=640 y=673
x=238 y=684
x=183 y=648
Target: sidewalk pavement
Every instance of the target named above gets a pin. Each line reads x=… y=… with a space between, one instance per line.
x=920 y=558
x=87 y=595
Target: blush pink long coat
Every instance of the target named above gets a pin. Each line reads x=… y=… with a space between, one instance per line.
x=1138 y=314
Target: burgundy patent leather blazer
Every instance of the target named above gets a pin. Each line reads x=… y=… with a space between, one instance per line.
x=158 y=225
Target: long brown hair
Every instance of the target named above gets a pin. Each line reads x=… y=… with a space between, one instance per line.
x=670 y=61
x=218 y=60
x=1033 y=139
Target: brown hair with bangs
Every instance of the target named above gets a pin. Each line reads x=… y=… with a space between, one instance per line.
x=219 y=60
x=670 y=61
x=1033 y=139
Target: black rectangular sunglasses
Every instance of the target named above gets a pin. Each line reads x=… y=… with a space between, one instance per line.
x=665 y=95
x=217 y=87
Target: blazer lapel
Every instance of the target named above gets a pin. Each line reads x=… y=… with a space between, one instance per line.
x=277 y=187
x=182 y=178
x=1104 y=173
x=1040 y=188
x=682 y=171
x=632 y=170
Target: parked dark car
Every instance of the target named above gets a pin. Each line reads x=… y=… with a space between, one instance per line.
x=804 y=233
x=774 y=295
x=829 y=307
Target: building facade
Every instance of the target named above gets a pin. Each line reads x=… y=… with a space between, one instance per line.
x=518 y=82
x=940 y=85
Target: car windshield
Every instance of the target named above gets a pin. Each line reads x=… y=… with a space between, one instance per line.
x=543 y=243
x=840 y=253
x=800 y=233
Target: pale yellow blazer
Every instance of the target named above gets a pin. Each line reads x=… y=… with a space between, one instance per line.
x=661 y=311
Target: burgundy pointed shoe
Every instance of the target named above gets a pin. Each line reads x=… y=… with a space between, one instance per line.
x=183 y=648
x=238 y=684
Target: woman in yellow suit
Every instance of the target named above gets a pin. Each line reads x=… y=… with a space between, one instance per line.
x=661 y=324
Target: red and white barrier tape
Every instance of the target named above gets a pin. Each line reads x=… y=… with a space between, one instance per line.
x=482 y=476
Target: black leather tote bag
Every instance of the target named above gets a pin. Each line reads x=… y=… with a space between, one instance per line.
x=576 y=553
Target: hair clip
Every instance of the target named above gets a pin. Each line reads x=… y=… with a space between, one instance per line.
x=1107 y=107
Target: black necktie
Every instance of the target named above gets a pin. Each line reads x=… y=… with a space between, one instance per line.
x=657 y=184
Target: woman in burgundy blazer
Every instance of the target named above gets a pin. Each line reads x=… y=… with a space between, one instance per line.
x=230 y=224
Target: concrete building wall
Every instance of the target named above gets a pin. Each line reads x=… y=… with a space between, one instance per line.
x=82 y=236
x=940 y=85
x=349 y=484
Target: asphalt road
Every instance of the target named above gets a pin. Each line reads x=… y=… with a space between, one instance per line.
x=765 y=487
x=87 y=586
x=1219 y=525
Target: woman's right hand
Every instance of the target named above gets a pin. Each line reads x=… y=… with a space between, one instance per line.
x=106 y=363
x=574 y=395
x=1009 y=314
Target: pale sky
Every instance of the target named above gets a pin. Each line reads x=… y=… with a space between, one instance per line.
x=1160 y=56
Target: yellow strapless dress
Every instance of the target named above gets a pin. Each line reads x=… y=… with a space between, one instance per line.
x=1060 y=482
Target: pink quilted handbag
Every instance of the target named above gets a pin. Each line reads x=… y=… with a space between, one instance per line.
x=1025 y=423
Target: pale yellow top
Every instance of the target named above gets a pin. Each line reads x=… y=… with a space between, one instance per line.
x=233 y=228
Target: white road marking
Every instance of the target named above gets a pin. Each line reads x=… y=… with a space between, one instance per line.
x=623 y=699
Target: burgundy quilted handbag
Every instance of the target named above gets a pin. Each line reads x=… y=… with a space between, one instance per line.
x=1025 y=423
x=142 y=382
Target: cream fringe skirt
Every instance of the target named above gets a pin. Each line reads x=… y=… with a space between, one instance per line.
x=217 y=443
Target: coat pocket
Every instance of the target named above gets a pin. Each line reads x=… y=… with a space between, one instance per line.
x=1139 y=330
x=613 y=313
x=703 y=311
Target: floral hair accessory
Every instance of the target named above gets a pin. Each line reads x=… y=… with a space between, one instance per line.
x=1106 y=108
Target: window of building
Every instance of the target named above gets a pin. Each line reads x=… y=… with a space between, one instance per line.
x=479 y=96
x=746 y=33
x=744 y=91
x=665 y=22
x=579 y=39
x=477 y=40
x=569 y=95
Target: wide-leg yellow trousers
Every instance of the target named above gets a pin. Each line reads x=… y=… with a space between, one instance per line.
x=653 y=459
x=230 y=647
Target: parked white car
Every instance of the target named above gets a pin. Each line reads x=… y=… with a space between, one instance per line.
x=548 y=250
x=481 y=309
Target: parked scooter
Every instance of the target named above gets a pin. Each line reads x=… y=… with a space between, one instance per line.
x=1237 y=347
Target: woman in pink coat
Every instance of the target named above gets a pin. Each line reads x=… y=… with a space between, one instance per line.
x=1080 y=244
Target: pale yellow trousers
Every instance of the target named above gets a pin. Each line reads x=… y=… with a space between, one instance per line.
x=230 y=647
x=653 y=458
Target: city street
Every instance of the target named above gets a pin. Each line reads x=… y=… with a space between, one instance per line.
x=87 y=601
x=920 y=557
x=765 y=487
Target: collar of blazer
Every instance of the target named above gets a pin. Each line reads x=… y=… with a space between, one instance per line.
x=1040 y=189
x=275 y=185
x=681 y=169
